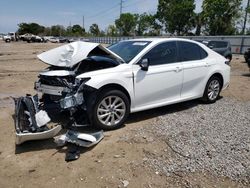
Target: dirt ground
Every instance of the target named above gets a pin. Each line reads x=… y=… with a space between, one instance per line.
x=111 y=163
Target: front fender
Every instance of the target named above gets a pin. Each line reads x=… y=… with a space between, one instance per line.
x=122 y=79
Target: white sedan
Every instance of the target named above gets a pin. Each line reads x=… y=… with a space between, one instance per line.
x=130 y=76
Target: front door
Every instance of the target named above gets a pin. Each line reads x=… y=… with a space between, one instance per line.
x=162 y=82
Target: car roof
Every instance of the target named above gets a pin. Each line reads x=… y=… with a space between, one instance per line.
x=158 y=40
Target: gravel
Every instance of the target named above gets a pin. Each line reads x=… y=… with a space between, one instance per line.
x=212 y=138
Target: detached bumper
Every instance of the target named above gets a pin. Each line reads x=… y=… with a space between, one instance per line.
x=23 y=137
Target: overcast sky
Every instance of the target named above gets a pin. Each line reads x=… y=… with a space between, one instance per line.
x=64 y=12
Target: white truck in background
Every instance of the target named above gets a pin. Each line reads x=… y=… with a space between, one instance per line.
x=12 y=36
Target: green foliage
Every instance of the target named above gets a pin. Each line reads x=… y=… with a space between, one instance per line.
x=143 y=23
x=76 y=30
x=32 y=28
x=94 y=29
x=176 y=15
x=126 y=24
x=198 y=23
x=112 y=31
x=220 y=16
x=248 y=9
x=58 y=30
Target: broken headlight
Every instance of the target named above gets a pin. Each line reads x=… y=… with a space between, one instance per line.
x=71 y=101
x=81 y=82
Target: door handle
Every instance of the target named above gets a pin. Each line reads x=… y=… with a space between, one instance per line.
x=178 y=69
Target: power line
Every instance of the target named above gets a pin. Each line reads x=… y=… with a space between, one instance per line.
x=134 y=3
x=103 y=12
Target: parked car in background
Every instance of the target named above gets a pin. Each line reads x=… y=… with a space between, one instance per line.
x=247 y=57
x=26 y=36
x=73 y=39
x=129 y=76
x=36 y=39
x=63 y=40
x=54 y=40
x=84 y=39
x=221 y=47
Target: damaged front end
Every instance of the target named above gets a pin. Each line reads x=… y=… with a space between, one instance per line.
x=58 y=83
x=61 y=91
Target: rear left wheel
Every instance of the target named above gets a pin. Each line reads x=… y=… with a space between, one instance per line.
x=212 y=90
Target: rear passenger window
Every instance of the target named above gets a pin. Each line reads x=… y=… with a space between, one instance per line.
x=191 y=51
x=162 y=54
x=203 y=53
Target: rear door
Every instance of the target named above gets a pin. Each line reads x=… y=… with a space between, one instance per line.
x=195 y=68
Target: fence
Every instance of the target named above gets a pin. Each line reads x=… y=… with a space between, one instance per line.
x=239 y=43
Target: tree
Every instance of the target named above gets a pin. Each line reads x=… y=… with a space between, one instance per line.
x=143 y=23
x=94 y=29
x=77 y=30
x=32 y=28
x=126 y=24
x=58 y=30
x=112 y=31
x=198 y=23
x=47 y=31
x=220 y=16
x=176 y=15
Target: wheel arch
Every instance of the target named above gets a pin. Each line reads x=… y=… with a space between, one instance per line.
x=115 y=86
x=219 y=75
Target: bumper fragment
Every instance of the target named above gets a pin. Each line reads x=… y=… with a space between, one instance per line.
x=23 y=137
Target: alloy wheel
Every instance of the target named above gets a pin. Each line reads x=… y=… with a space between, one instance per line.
x=213 y=89
x=111 y=110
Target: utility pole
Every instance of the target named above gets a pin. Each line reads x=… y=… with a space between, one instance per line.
x=245 y=19
x=121 y=7
x=83 y=22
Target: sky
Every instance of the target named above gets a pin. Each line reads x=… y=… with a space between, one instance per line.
x=66 y=12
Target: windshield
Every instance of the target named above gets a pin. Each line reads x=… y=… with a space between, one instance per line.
x=127 y=50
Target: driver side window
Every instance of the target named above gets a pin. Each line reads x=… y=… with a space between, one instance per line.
x=164 y=53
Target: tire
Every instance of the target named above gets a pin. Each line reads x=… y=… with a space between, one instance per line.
x=212 y=90
x=110 y=110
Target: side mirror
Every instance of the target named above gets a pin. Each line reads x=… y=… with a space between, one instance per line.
x=144 y=64
x=211 y=46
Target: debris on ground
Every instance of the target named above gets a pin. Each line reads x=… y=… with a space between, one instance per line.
x=31 y=124
x=125 y=183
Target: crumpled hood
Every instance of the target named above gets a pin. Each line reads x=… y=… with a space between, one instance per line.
x=70 y=54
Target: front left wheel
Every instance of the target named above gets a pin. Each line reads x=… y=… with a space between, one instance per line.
x=110 y=110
